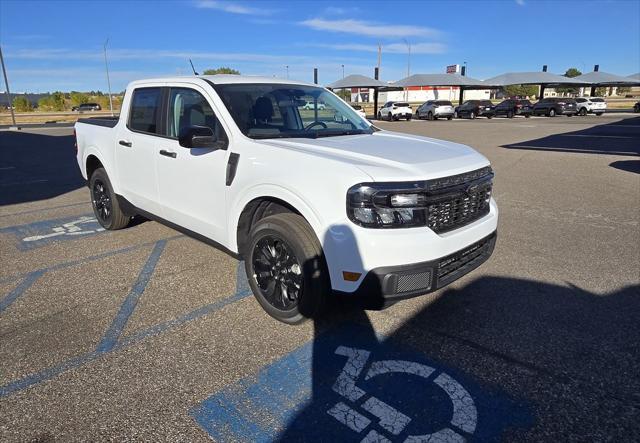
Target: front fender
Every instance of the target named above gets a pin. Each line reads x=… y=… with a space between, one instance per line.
x=271 y=191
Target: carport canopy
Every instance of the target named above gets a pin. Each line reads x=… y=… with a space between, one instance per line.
x=357 y=81
x=635 y=76
x=441 y=80
x=533 y=78
x=599 y=78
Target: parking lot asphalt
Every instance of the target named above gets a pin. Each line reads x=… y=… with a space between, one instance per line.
x=146 y=334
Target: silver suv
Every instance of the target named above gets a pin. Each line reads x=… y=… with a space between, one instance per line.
x=434 y=109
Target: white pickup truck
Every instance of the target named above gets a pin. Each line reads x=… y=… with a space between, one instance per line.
x=318 y=202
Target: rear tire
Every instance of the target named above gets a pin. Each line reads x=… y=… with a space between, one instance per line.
x=510 y=114
x=105 y=203
x=552 y=112
x=286 y=268
x=456 y=115
x=583 y=111
x=409 y=117
x=430 y=116
x=472 y=115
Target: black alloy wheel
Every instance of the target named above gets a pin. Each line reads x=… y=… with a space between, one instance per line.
x=101 y=201
x=277 y=272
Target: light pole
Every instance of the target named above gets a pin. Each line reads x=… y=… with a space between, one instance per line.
x=287 y=67
x=106 y=65
x=6 y=82
x=342 y=71
x=408 y=63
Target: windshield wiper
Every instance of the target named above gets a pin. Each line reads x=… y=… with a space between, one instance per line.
x=283 y=135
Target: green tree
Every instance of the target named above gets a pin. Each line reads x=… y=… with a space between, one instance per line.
x=571 y=72
x=78 y=98
x=221 y=70
x=621 y=90
x=22 y=104
x=344 y=94
x=52 y=102
x=521 y=90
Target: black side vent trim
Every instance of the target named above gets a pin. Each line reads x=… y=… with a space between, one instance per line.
x=232 y=167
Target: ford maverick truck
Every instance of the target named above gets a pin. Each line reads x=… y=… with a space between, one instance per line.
x=317 y=201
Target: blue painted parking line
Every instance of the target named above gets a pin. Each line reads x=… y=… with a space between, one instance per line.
x=50 y=208
x=348 y=386
x=41 y=233
x=25 y=284
x=242 y=291
x=119 y=322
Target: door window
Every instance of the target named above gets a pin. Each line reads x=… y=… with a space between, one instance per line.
x=143 y=115
x=188 y=107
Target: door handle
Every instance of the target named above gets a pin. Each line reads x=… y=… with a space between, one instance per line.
x=126 y=143
x=168 y=153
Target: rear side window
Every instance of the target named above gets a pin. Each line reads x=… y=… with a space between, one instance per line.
x=145 y=106
x=597 y=100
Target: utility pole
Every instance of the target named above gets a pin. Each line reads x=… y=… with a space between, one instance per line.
x=343 y=71
x=287 y=67
x=6 y=82
x=106 y=65
x=408 y=64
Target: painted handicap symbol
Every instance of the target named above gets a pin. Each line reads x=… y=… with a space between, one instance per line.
x=41 y=233
x=465 y=415
x=70 y=228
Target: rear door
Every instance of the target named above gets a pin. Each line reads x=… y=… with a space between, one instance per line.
x=136 y=148
x=191 y=182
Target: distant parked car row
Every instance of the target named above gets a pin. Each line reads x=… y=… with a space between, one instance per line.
x=549 y=106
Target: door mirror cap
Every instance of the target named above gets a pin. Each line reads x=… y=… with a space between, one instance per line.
x=198 y=137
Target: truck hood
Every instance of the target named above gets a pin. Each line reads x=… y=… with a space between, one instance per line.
x=390 y=156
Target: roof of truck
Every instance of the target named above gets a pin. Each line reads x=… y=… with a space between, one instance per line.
x=223 y=79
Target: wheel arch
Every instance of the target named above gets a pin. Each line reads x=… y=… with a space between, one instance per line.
x=257 y=205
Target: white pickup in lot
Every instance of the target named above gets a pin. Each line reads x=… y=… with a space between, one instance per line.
x=318 y=202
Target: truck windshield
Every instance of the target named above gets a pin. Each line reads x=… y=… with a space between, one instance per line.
x=265 y=110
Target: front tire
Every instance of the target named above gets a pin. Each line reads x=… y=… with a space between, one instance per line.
x=583 y=111
x=472 y=115
x=104 y=202
x=430 y=116
x=552 y=112
x=286 y=268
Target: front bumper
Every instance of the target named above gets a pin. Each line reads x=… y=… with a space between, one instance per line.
x=384 y=286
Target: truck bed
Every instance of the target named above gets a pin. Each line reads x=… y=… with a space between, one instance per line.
x=107 y=121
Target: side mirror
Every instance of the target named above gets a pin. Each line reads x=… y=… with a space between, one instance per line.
x=199 y=137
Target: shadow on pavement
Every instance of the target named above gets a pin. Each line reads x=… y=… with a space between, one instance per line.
x=36 y=167
x=533 y=360
x=617 y=138
x=627 y=165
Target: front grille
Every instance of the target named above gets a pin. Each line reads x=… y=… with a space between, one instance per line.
x=459 y=208
x=459 y=263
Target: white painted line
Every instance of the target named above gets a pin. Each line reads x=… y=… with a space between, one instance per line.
x=345 y=385
x=348 y=417
x=28 y=182
x=445 y=435
x=410 y=367
x=391 y=419
x=465 y=414
x=374 y=437
x=594 y=136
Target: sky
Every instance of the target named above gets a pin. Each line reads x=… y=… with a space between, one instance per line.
x=58 y=45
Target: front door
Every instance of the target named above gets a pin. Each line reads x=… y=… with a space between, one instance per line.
x=191 y=182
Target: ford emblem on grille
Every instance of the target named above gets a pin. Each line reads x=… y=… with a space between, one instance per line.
x=471 y=189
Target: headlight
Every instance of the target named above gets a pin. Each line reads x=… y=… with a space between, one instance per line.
x=424 y=203
x=382 y=206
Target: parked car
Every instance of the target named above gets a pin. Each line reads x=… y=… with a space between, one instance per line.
x=313 y=208
x=310 y=105
x=636 y=107
x=474 y=108
x=434 y=109
x=359 y=110
x=512 y=107
x=395 y=111
x=590 y=105
x=87 y=107
x=552 y=106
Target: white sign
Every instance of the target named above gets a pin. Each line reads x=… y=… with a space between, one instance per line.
x=453 y=69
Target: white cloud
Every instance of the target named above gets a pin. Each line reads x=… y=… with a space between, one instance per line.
x=520 y=2
x=232 y=7
x=369 y=29
x=394 y=48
